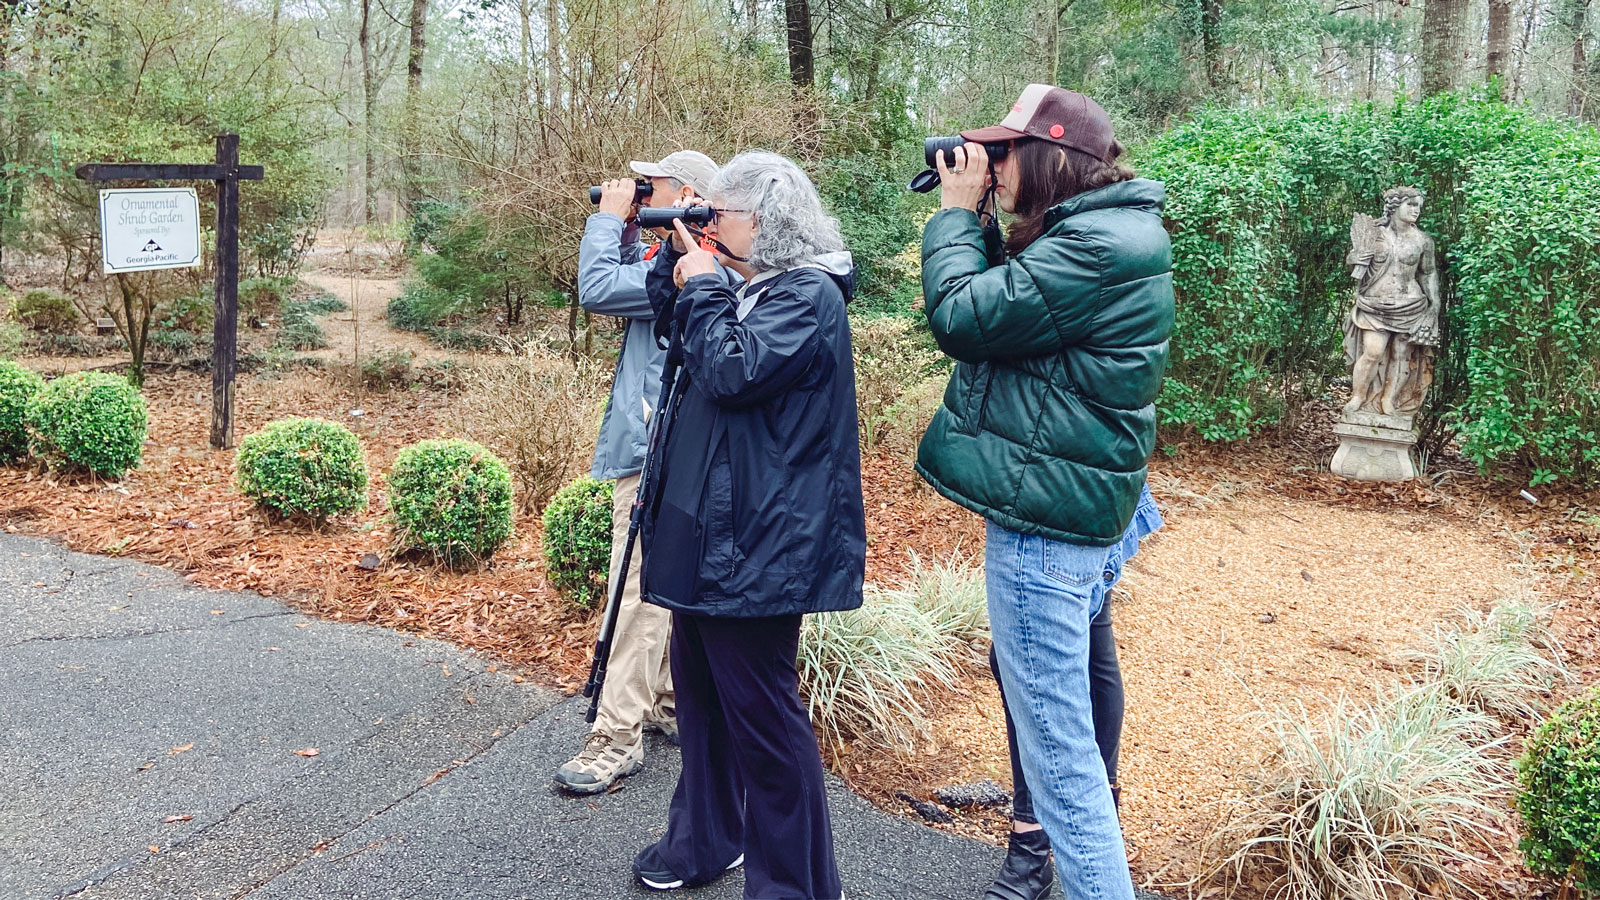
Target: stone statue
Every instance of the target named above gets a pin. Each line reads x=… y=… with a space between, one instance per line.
x=1390 y=336
x=1393 y=325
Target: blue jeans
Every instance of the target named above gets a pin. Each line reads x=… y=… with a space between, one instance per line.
x=1043 y=595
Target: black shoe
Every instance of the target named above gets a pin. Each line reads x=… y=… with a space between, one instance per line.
x=1027 y=872
x=657 y=876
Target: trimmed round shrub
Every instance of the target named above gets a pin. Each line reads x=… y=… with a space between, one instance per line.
x=17 y=386
x=1559 y=776
x=577 y=541
x=88 y=422
x=45 y=310
x=303 y=469
x=451 y=498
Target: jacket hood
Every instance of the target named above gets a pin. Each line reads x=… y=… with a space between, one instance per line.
x=1138 y=193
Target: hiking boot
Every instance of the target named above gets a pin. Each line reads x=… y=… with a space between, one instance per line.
x=663 y=719
x=599 y=765
x=1027 y=872
x=656 y=875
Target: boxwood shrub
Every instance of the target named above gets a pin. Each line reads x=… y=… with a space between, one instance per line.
x=1559 y=777
x=88 y=422
x=18 y=385
x=577 y=541
x=451 y=498
x=306 y=469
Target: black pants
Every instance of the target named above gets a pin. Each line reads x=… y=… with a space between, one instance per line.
x=752 y=776
x=1105 y=693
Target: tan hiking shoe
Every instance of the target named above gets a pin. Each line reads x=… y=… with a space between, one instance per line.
x=663 y=718
x=599 y=765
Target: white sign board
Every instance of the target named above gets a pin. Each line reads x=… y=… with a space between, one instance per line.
x=149 y=228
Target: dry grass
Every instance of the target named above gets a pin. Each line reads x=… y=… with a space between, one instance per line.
x=540 y=413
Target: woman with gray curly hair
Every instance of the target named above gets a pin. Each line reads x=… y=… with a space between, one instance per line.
x=754 y=519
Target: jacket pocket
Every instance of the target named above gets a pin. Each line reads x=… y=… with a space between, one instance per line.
x=1074 y=565
x=716 y=524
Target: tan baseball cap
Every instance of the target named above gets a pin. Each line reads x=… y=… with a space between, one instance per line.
x=1053 y=114
x=697 y=170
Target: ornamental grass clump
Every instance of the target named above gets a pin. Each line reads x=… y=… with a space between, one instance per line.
x=1490 y=661
x=451 y=498
x=577 y=541
x=1559 y=777
x=951 y=594
x=1364 y=803
x=303 y=469
x=88 y=422
x=18 y=385
x=865 y=672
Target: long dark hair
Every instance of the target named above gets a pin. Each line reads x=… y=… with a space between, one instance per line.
x=1049 y=174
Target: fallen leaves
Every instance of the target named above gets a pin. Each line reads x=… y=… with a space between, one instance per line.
x=309 y=751
x=171 y=820
x=184 y=749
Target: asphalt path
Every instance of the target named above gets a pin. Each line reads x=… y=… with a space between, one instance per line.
x=164 y=741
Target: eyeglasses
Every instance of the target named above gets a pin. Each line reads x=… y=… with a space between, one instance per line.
x=722 y=211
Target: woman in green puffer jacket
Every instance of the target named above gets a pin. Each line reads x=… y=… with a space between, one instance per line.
x=1061 y=340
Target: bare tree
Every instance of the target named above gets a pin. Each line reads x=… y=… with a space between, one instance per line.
x=412 y=193
x=1578 y=22
x=1498 y=61
x=802 y=62
x=1211 y=40
x=1444 y=28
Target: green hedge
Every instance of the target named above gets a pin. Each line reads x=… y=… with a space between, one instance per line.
x=577 y=541
x=1559 y=777
x=303 y=469
x=18 y=385
x=451 y=498
x=1259 y=208
x=88 y=422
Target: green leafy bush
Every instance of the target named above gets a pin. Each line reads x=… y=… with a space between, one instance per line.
x=388 y=369
x=17 y=386
x=1559 y=776
x=892 y=355
x=1259 y=208
x=418 y=308
x=192 y=313
x=299 y=331
x=451 y=498
x=303 y=469
x=867 y=192
x=88 y=421
x=262 y=297
x=48 y=311
x=577 y=541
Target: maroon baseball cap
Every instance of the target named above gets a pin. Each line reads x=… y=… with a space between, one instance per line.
x=1053 y=114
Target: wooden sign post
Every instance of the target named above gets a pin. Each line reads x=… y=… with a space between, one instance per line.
x=227 y=173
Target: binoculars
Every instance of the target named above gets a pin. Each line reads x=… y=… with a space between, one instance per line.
x=641 y=189
x=664 y=216
x=934 y=147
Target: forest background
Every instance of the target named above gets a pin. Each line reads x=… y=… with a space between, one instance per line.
x=472 y=130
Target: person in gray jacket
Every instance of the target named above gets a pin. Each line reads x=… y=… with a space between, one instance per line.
x=612 y=264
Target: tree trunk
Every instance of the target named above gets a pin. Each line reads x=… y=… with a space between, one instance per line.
x=1524 y=47
x=802 y=64
x=1498 y=63
x=1211 y=40
x=369 y=104
x=419 y=22
x=1444 y=26
x=552 y=53
x=1579 y=24
x=1052 y=42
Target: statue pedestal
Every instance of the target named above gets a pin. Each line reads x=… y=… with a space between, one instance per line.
x=1375 y=447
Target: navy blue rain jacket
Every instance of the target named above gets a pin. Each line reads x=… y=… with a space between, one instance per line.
x=755 y=509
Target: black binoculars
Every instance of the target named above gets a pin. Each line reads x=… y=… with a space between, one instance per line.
x=664 y=216
x=641 y=189
x=933 y=147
